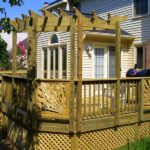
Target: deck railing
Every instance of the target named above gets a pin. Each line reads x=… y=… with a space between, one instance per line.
x=16 y=94
x=50 y=99
x=99 y=97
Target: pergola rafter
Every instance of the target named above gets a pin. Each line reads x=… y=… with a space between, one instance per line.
x=50 y=22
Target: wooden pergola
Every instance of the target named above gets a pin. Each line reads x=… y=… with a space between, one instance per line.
x=76 y=23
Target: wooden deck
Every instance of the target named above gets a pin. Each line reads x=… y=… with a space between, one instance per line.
x=49 y=101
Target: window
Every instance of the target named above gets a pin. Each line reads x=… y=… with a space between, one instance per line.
x=55 y=59
x=54 y=39
x=112 y=62
x=140 y=7
x=104 y=64
x=140 y=57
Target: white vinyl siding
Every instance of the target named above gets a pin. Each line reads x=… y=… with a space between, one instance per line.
x=43 y=41
x=138 y=27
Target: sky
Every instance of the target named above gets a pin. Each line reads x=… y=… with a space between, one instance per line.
x=16 y=11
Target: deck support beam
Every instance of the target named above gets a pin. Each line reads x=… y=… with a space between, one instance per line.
x=118 y=71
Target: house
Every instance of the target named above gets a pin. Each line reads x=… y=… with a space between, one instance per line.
x=137 y=24
x=98 y=51
x=64 y=102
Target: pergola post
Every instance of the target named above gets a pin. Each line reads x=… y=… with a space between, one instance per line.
x=118 y=71
x=32 y=40
x=72 y=70
x=32 y=46
x=14 y=54
x=79 y=69
x=72 y=124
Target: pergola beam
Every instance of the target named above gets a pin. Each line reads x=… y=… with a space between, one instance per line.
x=50 y=22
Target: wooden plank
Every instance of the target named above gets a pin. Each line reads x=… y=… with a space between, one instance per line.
x=141 y=100
x=72 y=128
x=118 y=71
x=108 y=122
x=114 y=19
x=94 y=104
x=32 y=47
x=14 y=57
x=54 y=127
x=79 y=68
x=90 y=99
x=84 y=100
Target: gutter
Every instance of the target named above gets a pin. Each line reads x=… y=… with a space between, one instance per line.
x=56 y=4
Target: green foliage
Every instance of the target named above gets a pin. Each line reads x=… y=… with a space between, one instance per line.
x=142 y=144
x=5 y=21
x=4 y=56
x=14 y=2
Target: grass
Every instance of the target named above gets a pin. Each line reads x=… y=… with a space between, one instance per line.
x=142 y=144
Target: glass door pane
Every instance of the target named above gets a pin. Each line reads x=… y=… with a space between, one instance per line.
x=64 y=63
x=99 y=62
x=112 y=61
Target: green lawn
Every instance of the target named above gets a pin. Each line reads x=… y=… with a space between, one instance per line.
x=143 y=144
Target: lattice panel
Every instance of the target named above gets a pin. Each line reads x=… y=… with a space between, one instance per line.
x=51 y=141
x=107 y=139
x=147 y=92
x=52 y=97
x=144 y=130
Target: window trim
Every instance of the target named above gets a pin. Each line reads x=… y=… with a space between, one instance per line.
x=144 y=54
x=48 y=49
x=139 y=16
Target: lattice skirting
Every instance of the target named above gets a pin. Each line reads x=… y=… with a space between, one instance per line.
x=110 y=138
x=106 y=139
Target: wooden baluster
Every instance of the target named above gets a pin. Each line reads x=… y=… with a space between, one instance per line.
x=132 y=108
x=103 y=90
x=85 y=99
x=107 y=104
x=125 y=98
x=128 y=95
x=99 y=103
x=136 y=96
x=90 y=99
x=94 y=99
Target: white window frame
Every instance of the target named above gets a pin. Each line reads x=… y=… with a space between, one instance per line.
x=144 y=54
x=137 y=16
x=106 y=57
x=60 y=66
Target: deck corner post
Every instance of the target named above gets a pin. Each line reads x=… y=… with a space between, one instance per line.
x=75 y=141
x=118 y=72
x=141 y=100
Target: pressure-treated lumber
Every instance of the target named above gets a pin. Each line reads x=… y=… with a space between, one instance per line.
x=50 y=22
x=118 y=71
x=72 y=71
x=14 y=47
x=79 y=66
x=141 y=99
